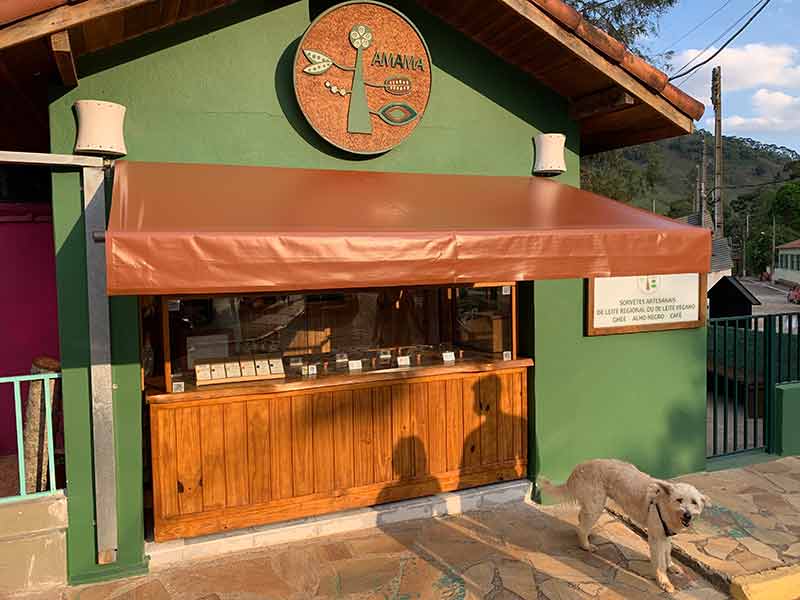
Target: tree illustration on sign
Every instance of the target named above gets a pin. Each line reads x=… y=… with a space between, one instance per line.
x=358 y=112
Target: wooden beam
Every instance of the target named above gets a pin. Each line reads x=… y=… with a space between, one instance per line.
x=585 y=52
x=65 y=61
x=600 y=103
x=62 y=18
x=590 y=144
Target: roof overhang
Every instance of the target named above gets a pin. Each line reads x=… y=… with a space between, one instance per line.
x=192 y=228
x=618 y=98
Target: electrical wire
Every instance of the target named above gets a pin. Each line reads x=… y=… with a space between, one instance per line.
x=720 y=36
x=672 y=45
x=752 y=185
x=725 y=45
x=685 y=82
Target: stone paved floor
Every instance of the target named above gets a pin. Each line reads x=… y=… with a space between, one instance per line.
x=510 y=552
x=754 y=524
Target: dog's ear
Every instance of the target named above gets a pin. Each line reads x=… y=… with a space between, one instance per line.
x=665 y=487
x=658 y=488
x=706 y=501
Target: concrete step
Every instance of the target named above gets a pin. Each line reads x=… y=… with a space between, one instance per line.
x=163 y=554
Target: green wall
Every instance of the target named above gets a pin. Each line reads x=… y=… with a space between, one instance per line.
x=638 y=397
x=218 y=90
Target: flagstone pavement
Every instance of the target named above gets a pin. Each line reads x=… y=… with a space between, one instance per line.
x=754 y=524
x=509 y=552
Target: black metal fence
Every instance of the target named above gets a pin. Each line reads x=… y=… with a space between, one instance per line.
x=747 y=358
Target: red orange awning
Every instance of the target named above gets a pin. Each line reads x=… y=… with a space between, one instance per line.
x=192 y=228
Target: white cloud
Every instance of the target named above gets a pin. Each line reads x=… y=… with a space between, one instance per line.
x=767 y=101
x=747 y=67
x=772 y=111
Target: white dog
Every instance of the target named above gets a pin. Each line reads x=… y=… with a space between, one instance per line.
x=663 y=508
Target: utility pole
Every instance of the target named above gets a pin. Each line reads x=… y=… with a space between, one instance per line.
x=772 y=273
x=744 y=243
x=698 y=199
x=716 y=100
x=703 y=172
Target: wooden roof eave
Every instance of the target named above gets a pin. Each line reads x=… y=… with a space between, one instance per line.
x=616 y=74
x=63 y=17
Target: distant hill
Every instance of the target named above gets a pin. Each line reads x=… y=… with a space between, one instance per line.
x=665 y=172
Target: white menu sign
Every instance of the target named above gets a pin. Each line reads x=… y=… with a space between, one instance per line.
x=644 y=302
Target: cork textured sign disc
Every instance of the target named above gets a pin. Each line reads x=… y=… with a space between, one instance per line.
x=362 y=77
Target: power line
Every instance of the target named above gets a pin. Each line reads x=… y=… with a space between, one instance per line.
x=685 y=81
x=753 y=185
x=671 y=45
x=720 y=36
x=725 y=45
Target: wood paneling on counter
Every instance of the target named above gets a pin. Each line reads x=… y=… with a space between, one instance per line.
x=258 y=459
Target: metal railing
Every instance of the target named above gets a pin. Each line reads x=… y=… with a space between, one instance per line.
x=16 y=382
x=747 y=357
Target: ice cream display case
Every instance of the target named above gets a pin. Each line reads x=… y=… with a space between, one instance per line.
x=218 y=340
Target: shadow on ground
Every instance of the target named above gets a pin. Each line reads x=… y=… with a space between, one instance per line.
x=499 y=552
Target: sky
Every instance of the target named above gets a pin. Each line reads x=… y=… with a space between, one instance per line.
x=760 y=69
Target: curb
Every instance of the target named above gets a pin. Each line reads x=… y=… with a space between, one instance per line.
x=719 y=580
x=167 y=554
x=782 y=583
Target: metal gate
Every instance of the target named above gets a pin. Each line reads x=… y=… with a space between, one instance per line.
x=747 y=358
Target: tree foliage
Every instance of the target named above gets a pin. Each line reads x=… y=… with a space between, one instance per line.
x=782 y=202
x=629 y=21
x=630 y=175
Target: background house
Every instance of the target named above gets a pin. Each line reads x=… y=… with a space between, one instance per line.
x=721 y=259
x=787 y=269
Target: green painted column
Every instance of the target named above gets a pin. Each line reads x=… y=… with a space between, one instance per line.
x=787 y=419
x=73 y=322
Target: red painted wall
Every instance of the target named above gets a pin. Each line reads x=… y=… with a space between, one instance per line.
x=28 y=311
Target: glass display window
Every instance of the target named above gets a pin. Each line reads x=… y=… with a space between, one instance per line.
x=212 y=340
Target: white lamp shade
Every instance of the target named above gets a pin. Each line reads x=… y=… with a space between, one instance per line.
x=550 y=154
x=100 y=128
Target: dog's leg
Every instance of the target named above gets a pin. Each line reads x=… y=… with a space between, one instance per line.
x=660 y=559
x=672 y=566
x=587 y=517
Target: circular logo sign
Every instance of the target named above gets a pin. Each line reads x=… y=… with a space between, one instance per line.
x=362 y=77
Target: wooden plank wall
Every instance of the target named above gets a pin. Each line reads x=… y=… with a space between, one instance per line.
x=244 y=461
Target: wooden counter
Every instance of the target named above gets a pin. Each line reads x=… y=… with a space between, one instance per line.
x=251 y=454
x=298 y=384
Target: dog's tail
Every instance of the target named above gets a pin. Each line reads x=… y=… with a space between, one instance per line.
x=555 y=491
